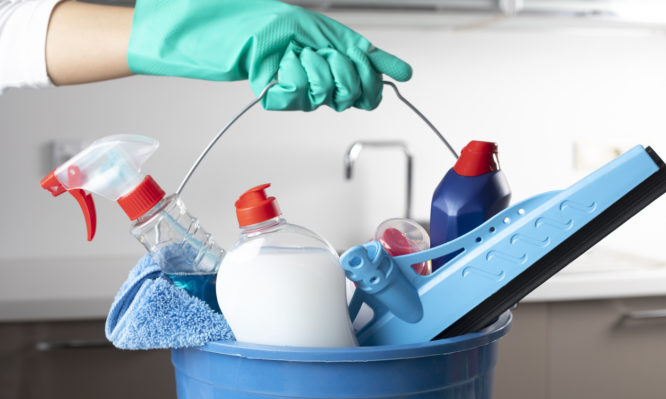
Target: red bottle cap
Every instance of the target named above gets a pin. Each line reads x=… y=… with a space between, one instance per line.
x=254 y=207
x=141 y=199
x=477 y=158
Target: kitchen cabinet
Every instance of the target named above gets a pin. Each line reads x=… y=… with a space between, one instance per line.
x=72 y=360
x=607 y=349
x=523 y=363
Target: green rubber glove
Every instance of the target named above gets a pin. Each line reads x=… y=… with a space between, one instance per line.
x=316 y=59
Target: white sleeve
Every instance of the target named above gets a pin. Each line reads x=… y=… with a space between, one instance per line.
x=23 y=25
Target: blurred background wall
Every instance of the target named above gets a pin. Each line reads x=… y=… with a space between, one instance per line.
x=558 y=98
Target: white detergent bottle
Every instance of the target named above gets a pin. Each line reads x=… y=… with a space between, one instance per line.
x=282 y=284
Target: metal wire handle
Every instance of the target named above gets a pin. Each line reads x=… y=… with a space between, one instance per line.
x=263 y=94
x=420 y=114
x=217 y=137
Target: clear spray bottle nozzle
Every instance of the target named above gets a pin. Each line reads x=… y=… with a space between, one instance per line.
x=110 y=167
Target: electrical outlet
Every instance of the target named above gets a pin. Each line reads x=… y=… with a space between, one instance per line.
x=60 y=151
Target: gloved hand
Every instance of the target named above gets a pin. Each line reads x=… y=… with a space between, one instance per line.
x=316 y=59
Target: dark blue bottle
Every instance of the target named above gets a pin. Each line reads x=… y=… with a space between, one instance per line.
x=469 y=194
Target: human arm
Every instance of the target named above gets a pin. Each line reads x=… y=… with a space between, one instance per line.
x=87 y=42
x=316 y=60
x=79 y=42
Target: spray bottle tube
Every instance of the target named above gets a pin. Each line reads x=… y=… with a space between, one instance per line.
x=111 y=167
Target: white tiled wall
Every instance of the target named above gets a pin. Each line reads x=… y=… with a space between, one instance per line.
x=534 y=91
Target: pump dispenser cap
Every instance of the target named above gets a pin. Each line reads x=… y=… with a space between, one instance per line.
x=477 y=158
x=254 y=207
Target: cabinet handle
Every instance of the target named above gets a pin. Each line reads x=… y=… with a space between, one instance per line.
x=655 y=314
x=45 y=346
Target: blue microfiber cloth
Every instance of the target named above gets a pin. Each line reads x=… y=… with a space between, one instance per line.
x=150 y=313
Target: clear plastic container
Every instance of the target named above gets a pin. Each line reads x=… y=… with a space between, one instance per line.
x=186 y=252
x=401 y=236
x=111 y=167
x=282 y=284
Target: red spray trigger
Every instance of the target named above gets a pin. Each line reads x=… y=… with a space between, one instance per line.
x=85 y=200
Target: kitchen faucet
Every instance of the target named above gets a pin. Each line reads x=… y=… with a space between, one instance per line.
x=354 y=151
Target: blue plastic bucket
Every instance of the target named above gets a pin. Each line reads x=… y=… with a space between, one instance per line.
x=458 y=367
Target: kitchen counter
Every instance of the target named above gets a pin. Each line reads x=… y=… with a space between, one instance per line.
x=601 y=273
x=60 y=289
x=84 y=288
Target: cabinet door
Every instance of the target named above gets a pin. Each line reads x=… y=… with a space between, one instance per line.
x=73 y=360
x=522 y=366
x=600 y=349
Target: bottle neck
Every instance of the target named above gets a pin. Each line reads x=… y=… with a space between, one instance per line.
x=264 y=226
x=162 y=204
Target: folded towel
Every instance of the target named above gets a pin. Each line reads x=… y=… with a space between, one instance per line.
x=150 y=313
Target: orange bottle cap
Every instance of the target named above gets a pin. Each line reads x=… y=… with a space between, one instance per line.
x=141 y=199
x=477 y=158
x=254 y=207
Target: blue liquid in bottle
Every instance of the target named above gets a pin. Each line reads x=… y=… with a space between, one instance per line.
x=178 y=260
x=201 y=286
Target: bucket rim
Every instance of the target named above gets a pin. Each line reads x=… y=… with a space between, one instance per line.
x=363 y=353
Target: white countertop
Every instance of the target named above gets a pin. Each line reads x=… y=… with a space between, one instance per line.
x=84 y=288
x=601 y=273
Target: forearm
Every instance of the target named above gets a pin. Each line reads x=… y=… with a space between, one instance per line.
x=87 y=42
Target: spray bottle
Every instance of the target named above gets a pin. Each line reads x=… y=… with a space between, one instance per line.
x=111 y=167
x=470 y=193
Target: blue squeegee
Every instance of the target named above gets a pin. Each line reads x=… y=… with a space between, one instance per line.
x=500 y=261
